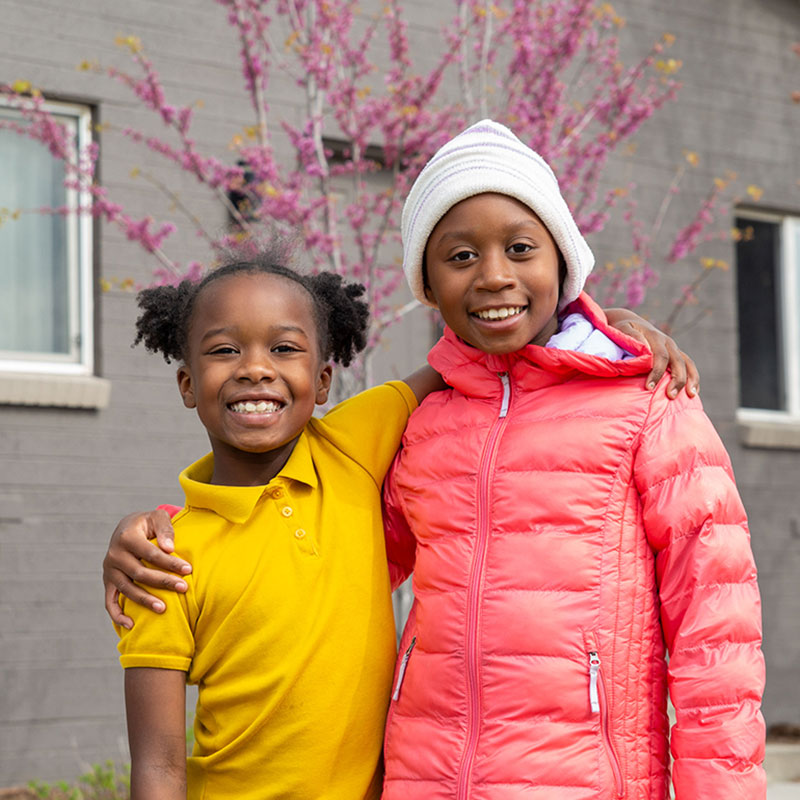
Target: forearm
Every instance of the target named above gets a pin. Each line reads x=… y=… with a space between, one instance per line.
x=155 y=701
x=424 y=381
x=158 y=781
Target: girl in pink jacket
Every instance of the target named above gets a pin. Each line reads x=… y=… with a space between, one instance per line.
x=577 y=542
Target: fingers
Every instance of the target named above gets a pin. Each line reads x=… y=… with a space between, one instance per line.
x=113 y=608
x=677 y=368
x=161 y=526
x=131 y=542
x=121 y=568
x=162 y=560
x=118 y=582
x=693 y=377
x=661 y=359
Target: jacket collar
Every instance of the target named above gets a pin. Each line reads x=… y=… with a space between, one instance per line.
x=237 y=503
x=474 y=373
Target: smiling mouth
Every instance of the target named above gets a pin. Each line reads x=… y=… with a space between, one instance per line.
x=260 y=407
x=499 y=313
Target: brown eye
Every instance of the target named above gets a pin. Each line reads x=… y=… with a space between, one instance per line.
x=518 y=248
x=287 y=348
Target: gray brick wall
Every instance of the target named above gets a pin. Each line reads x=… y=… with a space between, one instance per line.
x=66 y=476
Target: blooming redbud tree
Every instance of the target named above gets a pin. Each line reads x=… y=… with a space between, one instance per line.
x=550 y=70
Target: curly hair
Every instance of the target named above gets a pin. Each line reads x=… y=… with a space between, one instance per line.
x=341 y=317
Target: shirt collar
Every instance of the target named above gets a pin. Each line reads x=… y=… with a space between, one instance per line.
x=236 y=503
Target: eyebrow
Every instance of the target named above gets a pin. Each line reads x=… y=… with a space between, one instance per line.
x=277 y=328
x=511 y=227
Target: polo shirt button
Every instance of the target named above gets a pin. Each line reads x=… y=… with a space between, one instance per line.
x=277 y=492
x=299 y=533
x=286 y=511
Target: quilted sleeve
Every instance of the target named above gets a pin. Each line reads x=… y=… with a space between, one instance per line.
x=401 y=547
x=710 y=605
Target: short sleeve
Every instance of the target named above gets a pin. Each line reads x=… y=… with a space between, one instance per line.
x=368 y=427
x=162 y=641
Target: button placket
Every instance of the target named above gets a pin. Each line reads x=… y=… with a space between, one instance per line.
x=303 y=538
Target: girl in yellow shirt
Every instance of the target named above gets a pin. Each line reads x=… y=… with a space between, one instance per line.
x=286 y=625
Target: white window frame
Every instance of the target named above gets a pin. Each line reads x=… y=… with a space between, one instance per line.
x=788 y=321
x=80 y=359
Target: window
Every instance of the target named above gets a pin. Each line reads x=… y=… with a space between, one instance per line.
x=45 y=302
x=768 y=297
x=46 y=284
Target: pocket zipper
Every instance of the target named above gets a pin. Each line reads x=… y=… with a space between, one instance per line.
x=401 y=672
x=598 y=700
x=594 y=674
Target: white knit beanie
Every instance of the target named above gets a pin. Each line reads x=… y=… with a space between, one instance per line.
x=488 y=157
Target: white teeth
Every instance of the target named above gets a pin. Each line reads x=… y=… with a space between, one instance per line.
x=499 y=313
x=248 y=407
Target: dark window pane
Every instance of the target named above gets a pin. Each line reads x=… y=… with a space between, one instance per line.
x=757 y=275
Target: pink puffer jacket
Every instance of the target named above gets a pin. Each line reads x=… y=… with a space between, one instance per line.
x=567 y=524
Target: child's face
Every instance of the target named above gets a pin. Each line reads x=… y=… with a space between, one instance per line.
x=253 y=369
x=493 y=273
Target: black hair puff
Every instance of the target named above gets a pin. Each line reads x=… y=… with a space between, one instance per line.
x=342 y=318
x=347 y=317
x=163 y=323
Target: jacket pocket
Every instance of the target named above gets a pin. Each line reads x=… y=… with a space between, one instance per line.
x=401 y=670
x=598 y=701
x=391 y=723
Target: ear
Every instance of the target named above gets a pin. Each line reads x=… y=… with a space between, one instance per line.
x=429 y=296
x=324 y=384
x=425 y=285
x=185 y=386
x=562 y=274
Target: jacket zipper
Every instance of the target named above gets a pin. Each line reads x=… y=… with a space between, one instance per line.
x=598 y=699
x=401 y=672
x=486 y=469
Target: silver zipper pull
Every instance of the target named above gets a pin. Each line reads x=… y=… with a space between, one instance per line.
x=402 y=671
x=594 y=672
x=506 y=393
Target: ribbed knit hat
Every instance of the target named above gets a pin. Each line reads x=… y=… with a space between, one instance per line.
x=488 y=157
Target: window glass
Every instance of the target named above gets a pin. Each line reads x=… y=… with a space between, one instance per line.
x=46 y=271
x=796 y=271
x=761 y=383
x=35 y=290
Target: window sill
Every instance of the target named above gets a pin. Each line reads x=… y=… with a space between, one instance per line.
x=65 y=391
x=768 y=431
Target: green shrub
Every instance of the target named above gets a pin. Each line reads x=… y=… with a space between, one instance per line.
x=103 y=782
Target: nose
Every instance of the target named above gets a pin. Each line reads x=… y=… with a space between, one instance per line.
x=496 y=271
x=255 y=367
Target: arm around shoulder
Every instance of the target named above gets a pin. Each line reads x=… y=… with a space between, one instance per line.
x=424 y=381
x=666 y=353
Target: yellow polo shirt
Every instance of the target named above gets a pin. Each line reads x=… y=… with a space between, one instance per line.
x=287 y=625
